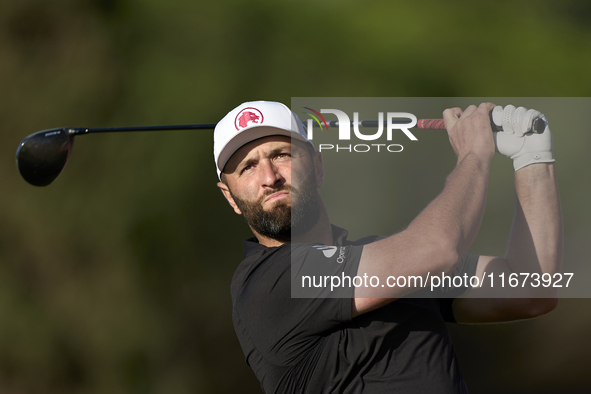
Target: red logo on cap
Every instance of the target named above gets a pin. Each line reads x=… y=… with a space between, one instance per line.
x=246 y=116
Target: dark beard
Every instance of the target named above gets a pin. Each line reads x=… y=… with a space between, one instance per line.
x=283 y=221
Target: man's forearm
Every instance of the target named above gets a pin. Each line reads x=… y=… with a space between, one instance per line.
x=434 y=241
x=536 y=240
x=456 y=214
x=444 y=230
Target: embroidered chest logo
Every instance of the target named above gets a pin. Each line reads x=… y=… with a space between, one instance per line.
x=330 y=251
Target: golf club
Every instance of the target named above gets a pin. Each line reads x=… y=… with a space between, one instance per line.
x=41 y=156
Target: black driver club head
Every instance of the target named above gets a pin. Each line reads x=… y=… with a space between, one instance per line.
x=41 y=156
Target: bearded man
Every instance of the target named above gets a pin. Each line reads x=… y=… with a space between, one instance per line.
x=384 y=339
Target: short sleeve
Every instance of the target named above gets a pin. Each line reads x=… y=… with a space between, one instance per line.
x=320 y=271
x=466 y=265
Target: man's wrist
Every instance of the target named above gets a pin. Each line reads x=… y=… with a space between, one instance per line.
x=532 y=174
x=480 y=160
x=532 y=158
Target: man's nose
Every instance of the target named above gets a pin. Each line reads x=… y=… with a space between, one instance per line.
x=270 y=174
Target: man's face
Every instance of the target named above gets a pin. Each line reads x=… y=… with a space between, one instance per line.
x=272 y=182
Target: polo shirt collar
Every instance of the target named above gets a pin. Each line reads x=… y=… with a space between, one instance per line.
x=252 y=245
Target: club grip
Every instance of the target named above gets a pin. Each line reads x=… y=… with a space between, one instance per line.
x=431 y=124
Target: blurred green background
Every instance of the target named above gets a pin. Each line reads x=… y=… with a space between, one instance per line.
x=115 y=278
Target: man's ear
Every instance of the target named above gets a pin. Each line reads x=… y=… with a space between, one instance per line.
x=318 y=169
x=224 y=188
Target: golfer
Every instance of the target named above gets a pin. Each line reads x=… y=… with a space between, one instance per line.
x=380 y=339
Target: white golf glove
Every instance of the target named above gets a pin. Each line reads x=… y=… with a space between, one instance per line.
x=519 y=139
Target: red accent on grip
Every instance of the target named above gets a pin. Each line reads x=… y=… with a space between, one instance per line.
x=431 y=124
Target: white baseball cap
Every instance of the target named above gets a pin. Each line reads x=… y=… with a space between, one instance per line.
x=250 y=121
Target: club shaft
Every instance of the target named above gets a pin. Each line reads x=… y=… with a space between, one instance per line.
x=421 y=124
x=432 y=124
x=84 y=130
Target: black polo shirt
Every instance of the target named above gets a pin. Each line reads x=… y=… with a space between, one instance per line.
x=313 y=345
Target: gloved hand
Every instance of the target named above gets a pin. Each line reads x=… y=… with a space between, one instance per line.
x=518 y=140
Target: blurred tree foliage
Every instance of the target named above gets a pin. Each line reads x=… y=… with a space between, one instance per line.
x=115 y=279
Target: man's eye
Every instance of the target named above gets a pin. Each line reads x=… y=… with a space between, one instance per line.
x=246 y=169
